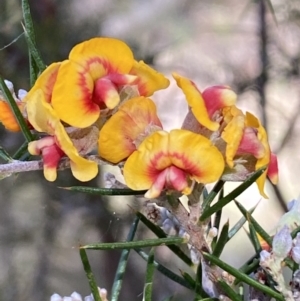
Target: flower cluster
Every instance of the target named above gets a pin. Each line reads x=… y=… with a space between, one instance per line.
x=283 y=246
x=98 y=98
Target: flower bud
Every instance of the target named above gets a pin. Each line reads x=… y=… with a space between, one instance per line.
x=55 y=297
x=76 y=297
x=282 y=242
x=264 y=256
x=89 y=298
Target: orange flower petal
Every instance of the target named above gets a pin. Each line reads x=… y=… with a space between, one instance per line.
x=7 y=118
x=195 y=102
x=233 y=132
x=44 y=119
x=134 y=119
x=149 y=80
x=72 y=96
x=114 y=55
x=45 y=82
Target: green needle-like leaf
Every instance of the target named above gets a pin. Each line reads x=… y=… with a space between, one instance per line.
x=149 y=277
x=161 y=234
x=232 y=195
x=35 y=63
x=211 y=196
x=218 y=215
x=90 y=275
x=221 y=242
x=216 y=225
x=250 y=266
x=168 y=273
x=217 y=219
x=242 y=277
x=5 y=155
x=118 y=281
x=254 y=238
x=104 y=191
x=33 y=68
x=255 y=224
x=16 y=111
x=28 y=20
x=135 y=244
x=229 y=292
x=239 y=224
x=23 y=149
x=188 y=278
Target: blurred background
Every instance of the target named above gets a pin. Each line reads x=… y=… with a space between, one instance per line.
x=238 y=43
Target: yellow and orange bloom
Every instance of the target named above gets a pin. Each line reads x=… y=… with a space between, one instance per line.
x=127 y=128
x=220 y=120
x=173 y=161
x=206 y=106
x=58 y=144
x=245 y=135
x=90 y=80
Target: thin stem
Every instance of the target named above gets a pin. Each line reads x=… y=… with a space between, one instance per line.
x=21 y=166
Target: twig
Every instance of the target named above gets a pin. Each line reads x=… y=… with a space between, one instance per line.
x=23 y=166
x=263 y=78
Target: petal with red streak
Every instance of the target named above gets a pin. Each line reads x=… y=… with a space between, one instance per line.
x=250 y=144
x=129 y=123
x=45 y=82
x=196 y=102
x=105 y=91
x=114 y=55
x=51 y=154
x=51 y=157
x=196 y=155
x=72 y=96
x=157 y=187
x=148 y=79
x=218 y=97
